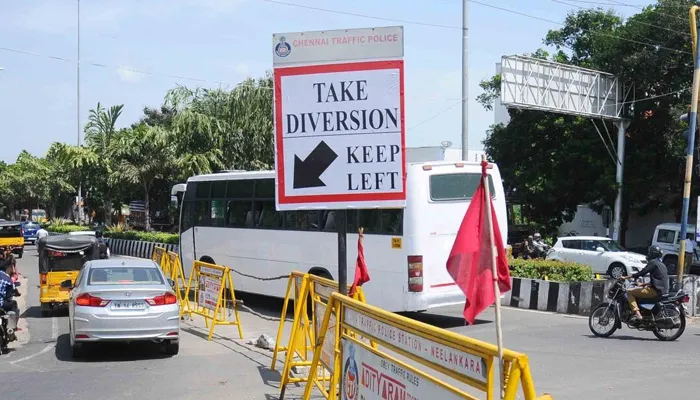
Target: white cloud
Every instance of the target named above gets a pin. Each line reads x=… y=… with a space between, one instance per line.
x=128 y=75
x=242 y=69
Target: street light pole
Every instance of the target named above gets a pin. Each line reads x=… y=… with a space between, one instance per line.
x=465 y=81
x=77 y=119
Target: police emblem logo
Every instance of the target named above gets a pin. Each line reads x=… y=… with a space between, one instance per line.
x=282 y=49
x=350 y=376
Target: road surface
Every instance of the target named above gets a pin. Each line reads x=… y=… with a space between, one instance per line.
x=566 y=360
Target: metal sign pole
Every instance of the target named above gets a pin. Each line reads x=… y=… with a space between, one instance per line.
x=692 y=129
x=342 y=224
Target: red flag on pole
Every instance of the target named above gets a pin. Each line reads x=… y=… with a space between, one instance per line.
x=471 y=261
x=361 y=272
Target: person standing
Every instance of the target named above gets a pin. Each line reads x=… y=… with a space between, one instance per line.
x=691 y=251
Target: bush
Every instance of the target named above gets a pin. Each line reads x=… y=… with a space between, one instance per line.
x=65 y=228
x=550 y=269
x=119 y=233
x=157 y=237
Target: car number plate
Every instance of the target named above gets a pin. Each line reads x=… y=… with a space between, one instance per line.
x=128 y=305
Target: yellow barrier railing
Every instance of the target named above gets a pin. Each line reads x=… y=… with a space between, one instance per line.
x=158 y=255
x=208 y=284
x=304 y=340
x=361 y=371
x=305 y=331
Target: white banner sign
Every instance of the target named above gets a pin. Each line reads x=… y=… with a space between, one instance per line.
x=450 y=358
x=208 y=292
x=340 y=136
x=369 y=376
x=327 y=350
x=296 y=48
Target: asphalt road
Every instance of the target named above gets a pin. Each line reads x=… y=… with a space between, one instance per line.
x=566 y=360
x=40 y=365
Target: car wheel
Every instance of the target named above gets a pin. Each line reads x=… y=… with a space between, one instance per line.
x=172 y=347
x=617 y=270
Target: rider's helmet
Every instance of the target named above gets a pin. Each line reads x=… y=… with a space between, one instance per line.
x=98 y=234
x=654 y=252
x=537 y=236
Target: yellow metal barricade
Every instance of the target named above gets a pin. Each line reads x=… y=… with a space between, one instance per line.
x=361 y=371
x=319 y=291
x=304 y=339
x=208 y=284
x=158 y=256
x=173 y=270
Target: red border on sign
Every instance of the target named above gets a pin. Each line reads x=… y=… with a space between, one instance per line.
x=330 y=68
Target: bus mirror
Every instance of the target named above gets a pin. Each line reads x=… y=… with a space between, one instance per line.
x=173 y=201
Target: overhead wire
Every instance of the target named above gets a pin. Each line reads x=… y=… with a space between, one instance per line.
x=634 y=21
x=219 y=82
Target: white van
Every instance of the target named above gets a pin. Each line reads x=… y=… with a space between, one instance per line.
x=230 y=218
x=667 y=237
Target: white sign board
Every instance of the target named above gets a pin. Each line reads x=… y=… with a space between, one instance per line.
x=339 y=129
x=328 y=346
x=323 y=47
x=367 y=375
x=208 y=292
x=470 y=365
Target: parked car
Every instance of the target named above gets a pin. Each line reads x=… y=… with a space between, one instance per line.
x=667 y=237
x=122 y=301
x=30 y=230
x=602 y=254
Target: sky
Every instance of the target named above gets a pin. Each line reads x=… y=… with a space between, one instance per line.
x=202 y=42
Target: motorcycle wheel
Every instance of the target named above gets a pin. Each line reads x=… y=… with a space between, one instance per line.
x=679 y=332
x=600 y=313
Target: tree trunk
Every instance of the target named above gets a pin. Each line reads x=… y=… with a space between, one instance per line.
x=146 y=207
x=108 y=208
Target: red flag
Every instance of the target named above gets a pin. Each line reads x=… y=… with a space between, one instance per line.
x=361 y=272
x=470 y=261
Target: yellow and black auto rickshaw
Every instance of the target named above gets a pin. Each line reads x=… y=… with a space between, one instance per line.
x=61 y=258
x=12 y=236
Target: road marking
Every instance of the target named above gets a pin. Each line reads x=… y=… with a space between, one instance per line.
x=49 y=347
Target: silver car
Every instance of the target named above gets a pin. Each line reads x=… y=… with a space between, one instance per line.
x=124 y=300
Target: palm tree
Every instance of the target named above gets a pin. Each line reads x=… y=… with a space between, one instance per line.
x=141 y=155
x=100 y=131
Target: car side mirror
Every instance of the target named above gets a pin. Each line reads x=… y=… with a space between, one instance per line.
x=600 y=250
x=171 y=282
x=67 y=284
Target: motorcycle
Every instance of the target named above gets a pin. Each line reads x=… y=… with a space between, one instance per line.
x=659 y=315
x=8 y=326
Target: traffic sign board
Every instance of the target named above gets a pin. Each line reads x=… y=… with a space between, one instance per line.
x=340 y=136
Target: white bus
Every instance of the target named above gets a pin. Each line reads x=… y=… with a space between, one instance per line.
x=230 y=219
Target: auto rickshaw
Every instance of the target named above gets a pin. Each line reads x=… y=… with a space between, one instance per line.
x=61 y=258
x=12 y=236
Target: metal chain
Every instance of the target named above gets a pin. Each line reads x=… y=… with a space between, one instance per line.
x=274 y=278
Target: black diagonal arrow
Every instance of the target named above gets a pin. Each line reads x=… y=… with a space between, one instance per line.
x=308 y=173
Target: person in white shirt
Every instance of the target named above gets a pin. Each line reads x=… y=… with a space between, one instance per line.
x=691 y=250
x=41 y=233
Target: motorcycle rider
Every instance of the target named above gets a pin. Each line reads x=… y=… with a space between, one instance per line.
x=7 y=292
x=658 y=286
x=540 y=246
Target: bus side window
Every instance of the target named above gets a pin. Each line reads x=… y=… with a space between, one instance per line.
x=238 y=212
x=218 y=216
x=392 y=221
x=202 y=211
x=371 y=221
x=186 y=215
x=270 y=218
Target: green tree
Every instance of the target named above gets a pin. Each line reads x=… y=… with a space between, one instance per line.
x=100 y=131
x=142 y=155
x=555 y=162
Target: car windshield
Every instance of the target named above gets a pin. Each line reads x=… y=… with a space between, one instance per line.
x=31 y=225
x=125 y=276
x=611 y=245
